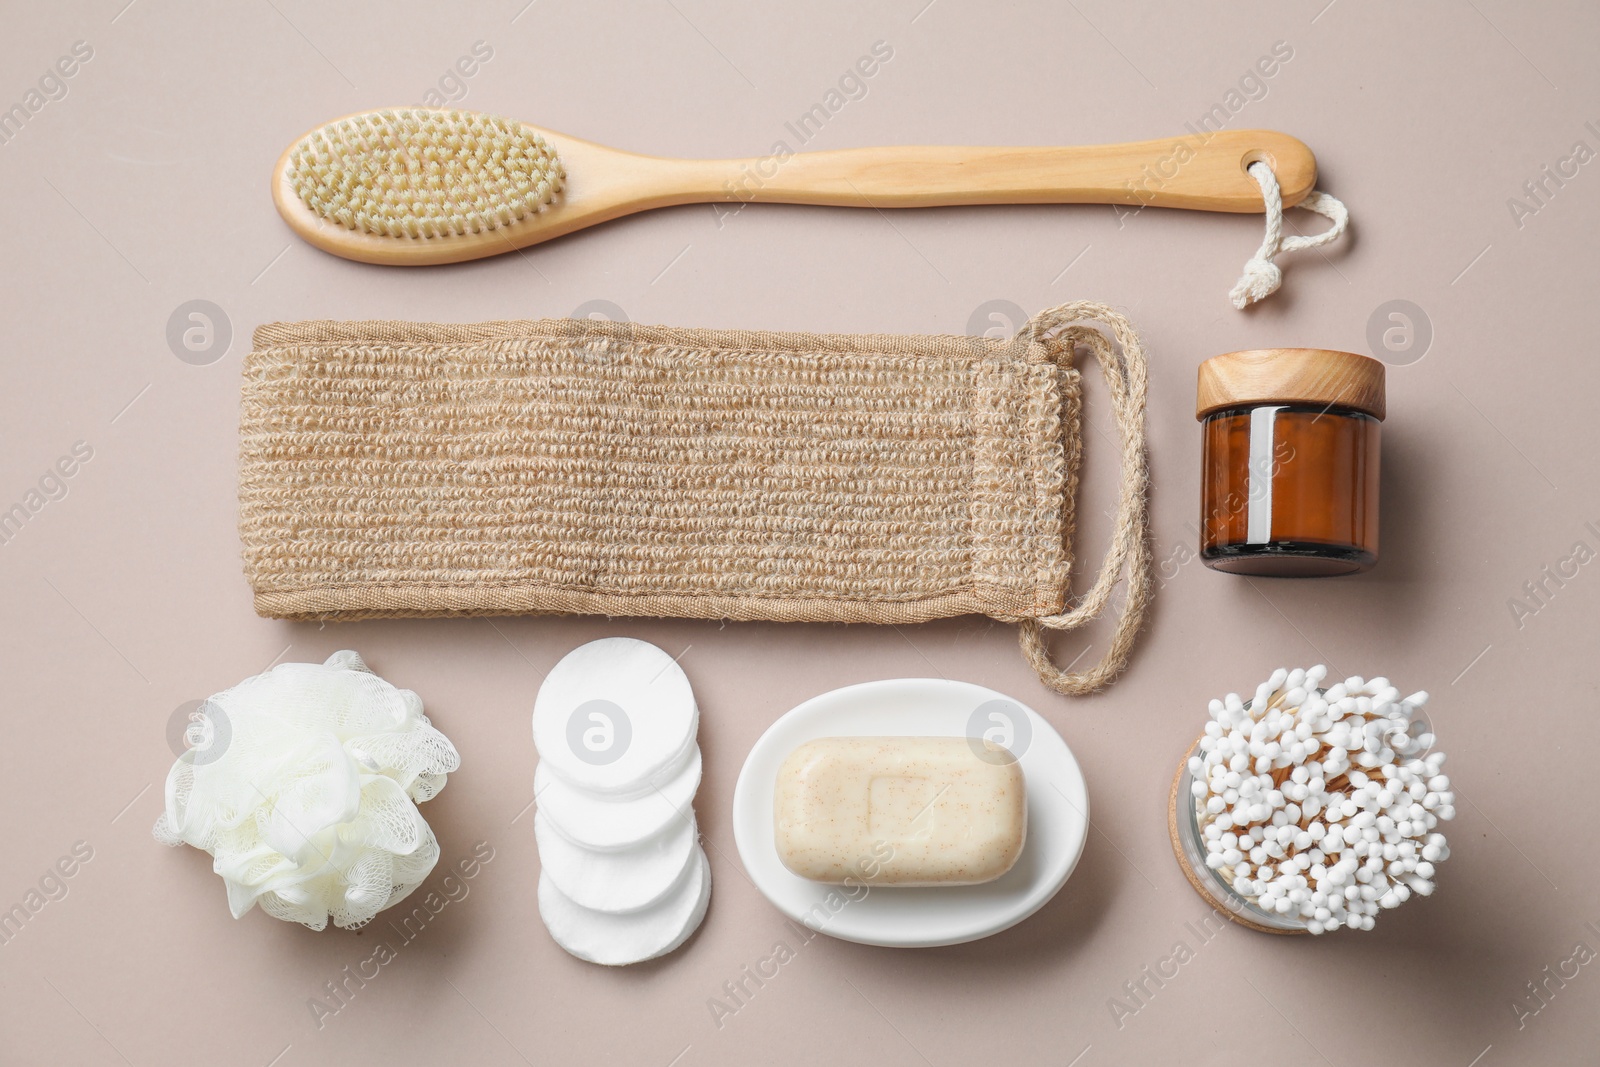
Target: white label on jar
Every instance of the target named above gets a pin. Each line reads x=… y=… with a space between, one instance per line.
x=1258 y=522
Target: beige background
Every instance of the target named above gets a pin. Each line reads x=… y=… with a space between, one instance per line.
x=146 y=187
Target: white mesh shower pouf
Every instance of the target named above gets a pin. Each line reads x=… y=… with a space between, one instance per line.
x=304 y=784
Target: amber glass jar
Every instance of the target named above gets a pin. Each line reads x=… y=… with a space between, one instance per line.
x=1289 y=478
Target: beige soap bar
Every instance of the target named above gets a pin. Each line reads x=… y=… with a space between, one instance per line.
x=906 y=811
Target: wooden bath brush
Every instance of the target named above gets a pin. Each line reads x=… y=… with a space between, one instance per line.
x=414 y=186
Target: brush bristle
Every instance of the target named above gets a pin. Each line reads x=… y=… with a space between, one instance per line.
x=412 y=172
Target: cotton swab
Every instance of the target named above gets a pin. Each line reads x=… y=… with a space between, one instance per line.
x=1321 y=805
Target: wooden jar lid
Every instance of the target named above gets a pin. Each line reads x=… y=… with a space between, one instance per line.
x=1291 y=376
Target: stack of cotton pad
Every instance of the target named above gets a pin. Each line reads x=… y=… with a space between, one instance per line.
x=622 y=875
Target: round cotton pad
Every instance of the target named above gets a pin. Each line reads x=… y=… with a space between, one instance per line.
x=613 y=714
x=605 y=825
x=615 y=882
x=644 y=787
x=615 y=940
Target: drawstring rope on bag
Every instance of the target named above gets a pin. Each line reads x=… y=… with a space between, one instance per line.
x=1262 y=276
x=1123 y=366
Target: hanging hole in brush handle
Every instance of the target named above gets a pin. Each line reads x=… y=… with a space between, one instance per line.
x=1256 y=155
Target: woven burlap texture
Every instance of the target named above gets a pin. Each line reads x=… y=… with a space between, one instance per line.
x=577 y=466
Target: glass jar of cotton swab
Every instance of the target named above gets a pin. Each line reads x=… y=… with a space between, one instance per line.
x=1304 y=809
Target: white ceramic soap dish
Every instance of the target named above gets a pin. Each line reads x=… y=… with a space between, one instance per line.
x=1058 y=814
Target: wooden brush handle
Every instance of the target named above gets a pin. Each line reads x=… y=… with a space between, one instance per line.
x=1201 y=172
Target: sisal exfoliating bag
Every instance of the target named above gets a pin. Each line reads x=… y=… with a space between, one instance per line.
x=576 y=466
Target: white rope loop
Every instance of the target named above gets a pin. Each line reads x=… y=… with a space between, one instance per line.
x=1262 y=276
